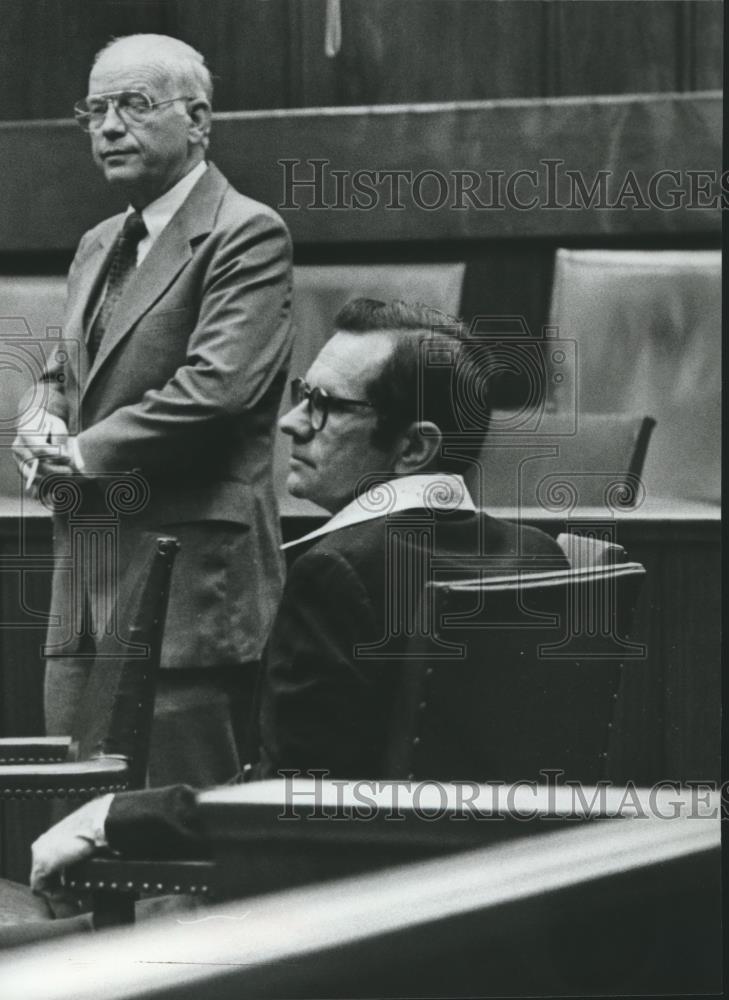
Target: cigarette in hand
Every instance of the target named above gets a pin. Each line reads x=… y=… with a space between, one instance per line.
x=32 y=470
x=30 y=473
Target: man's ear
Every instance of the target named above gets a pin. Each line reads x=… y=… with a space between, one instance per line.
x=198 y=111
x=417 y=447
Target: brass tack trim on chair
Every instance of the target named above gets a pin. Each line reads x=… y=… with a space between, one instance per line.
x=132 y=886
x=32 y=760
x=42 y=793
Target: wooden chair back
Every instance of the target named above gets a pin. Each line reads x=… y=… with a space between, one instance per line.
x=519 y=677
x=548 y=462
x=647 y=328
x=116 y=715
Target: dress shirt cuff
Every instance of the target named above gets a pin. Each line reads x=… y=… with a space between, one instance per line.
x=98 y=820
x=76 y=456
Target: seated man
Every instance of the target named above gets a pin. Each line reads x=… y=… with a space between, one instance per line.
x=366 y=427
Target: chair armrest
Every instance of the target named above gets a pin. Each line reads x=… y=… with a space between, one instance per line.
x=123 y=875
x=34 y=749
x=82 y=779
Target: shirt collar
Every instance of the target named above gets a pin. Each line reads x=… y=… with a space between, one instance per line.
x=433 y=491
x=159 y=212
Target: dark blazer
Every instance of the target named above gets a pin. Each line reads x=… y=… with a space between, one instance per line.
x=332 y=658
x=181 y=402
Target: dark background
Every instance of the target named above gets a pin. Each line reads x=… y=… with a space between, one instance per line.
x=270 y=53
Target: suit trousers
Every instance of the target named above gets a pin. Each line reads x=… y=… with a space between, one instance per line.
x=201 y=718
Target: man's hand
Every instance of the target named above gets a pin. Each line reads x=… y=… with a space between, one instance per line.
x=73 y=839
x=49 y=450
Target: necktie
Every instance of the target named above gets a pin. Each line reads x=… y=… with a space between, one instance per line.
x=123 y=262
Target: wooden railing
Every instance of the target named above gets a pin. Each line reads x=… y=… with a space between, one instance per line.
x=621 y=905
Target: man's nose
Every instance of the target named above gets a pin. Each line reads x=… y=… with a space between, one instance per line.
x=113 y=122
x=296 y=422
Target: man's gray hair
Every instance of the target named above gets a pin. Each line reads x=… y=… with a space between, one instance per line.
x=174 y=58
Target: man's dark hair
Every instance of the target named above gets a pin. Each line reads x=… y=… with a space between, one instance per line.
x=416 y=382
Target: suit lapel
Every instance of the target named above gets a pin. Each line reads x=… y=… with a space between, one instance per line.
x=158 y=270
x=169 y=255
x=85 y=289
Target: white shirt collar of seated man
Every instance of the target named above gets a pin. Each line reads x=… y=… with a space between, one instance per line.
x=432 y=491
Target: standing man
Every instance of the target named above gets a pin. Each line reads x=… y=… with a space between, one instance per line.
x=180 y=308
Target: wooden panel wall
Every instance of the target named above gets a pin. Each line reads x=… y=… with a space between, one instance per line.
x=620 y=47
x=394 y=52
x=271 y=157
x=270 y=53
x=704 y=46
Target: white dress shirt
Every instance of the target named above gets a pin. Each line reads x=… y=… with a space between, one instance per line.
x=433 y=491
x=158 y=213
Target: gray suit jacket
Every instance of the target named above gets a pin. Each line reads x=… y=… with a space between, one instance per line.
x=180 y=406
